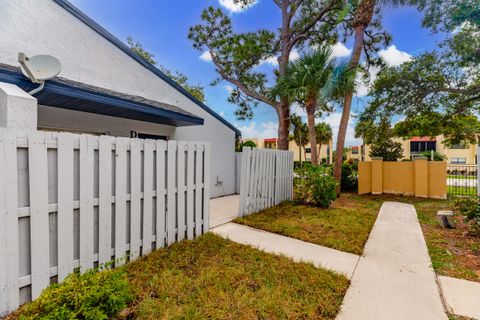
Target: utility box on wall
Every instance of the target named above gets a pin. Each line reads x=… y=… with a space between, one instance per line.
x=420 y=178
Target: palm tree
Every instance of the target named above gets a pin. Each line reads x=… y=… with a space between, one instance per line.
x=324 y=134
x=299 y=133
x=361 y=20
x=306 y=81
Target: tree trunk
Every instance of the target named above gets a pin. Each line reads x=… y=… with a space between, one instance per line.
x=283 y=112
x=312 y=132
x=363 y=17
x=300 y=154
x=319 y=154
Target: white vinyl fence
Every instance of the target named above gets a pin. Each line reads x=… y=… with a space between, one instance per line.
x=266 y=179
x=69 y=201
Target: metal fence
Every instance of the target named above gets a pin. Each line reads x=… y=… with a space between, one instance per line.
x=75 y=201
x=462 y=179
x=266 y=179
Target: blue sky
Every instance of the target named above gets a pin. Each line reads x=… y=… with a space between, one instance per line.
x=162 y=27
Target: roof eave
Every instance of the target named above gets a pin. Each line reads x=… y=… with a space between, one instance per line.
x=114 y=40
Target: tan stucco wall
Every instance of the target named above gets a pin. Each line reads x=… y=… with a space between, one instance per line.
x=364 y=177
x=398 y=177
x=437 y=175
x=420 y=178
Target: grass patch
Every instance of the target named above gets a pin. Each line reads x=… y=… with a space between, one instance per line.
x=461 y=177
x=453 y=252
x=347 y=223
x=462 y=190
x=344 y=226
x=213 y=278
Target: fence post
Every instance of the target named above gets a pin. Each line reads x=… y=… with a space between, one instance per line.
x=421 y=177
x=244 y=180
x=377 y=175
x=478 y=171
x=206 y=188
x=9 y=255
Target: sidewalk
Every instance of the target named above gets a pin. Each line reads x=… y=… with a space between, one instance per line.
x=394 y=278
x=297 y=250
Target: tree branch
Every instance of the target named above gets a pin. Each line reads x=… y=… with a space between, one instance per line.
x=249 y=92
x=312 y=22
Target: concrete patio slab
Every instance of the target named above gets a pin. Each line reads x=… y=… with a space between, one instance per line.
x=297 y=250
x=394 y=278
x=461 y=296
x=223 y=209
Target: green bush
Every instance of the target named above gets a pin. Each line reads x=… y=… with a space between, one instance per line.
x=92 y=295
x=436 y=156
x=469 y=208
x=315 y=186
x=297 y=164
x=249 y=143
x=349 y=180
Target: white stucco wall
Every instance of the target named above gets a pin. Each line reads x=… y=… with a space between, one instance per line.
x=43 y=27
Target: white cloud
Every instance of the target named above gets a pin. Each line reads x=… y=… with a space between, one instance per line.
x=294 y=55
x=299 y=111
x=233 y=7
x=340 y=50
x=362 y=86
x=205 y=56
x=267 y=129
x=333 y=120
x=394 y=57
x=229 y=88
x=222 y=114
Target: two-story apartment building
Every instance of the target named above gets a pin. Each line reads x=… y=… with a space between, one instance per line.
x=325 y=155
x=456 y=154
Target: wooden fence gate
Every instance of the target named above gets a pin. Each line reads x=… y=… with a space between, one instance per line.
x=266 y=179
x=76 y=201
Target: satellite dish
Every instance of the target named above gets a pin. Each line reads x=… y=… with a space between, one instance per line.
x=39 y=68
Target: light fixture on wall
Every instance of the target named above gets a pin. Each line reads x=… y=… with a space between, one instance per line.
x=39 y=69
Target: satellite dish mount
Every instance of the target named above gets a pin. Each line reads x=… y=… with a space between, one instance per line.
x=39 y=69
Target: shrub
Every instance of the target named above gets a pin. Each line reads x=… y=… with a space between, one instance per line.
x=349 y=180
x=469 y=208
x=297 y=164
x=250 y=144
x=315 y=186
x=436 y=156
x=92 y=295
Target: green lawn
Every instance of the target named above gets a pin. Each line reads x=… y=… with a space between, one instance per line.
x=461 y=177
x=461 y=191
x=344 y=226
x=453 y=252
x=213 y=278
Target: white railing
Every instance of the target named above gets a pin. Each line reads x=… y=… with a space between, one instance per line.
x=76 y=201
x=266 y=179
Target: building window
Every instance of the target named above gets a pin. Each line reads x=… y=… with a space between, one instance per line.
x=458 y=160
x=308 y=150
x=421 y=146
x=354 y=150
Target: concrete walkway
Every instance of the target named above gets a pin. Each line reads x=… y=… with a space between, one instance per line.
x=462 y=297
x=297 y=250
x=394 y=278
x=223 y=209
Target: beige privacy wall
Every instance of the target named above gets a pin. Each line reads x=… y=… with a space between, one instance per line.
x=419 y=178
